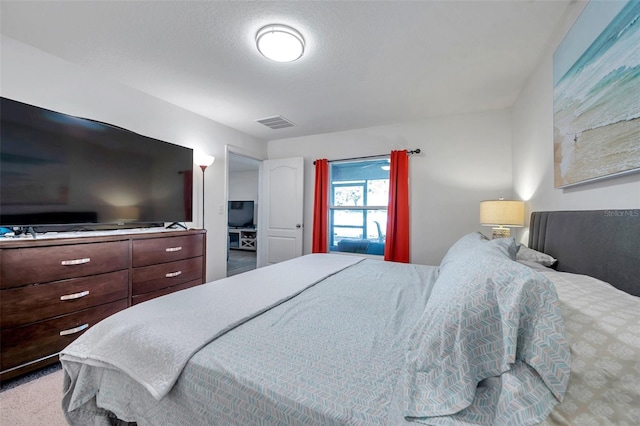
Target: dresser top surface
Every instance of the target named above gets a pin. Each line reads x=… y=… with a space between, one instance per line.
x=79 y=237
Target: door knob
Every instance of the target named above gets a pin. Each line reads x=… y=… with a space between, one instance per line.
x=298 y=225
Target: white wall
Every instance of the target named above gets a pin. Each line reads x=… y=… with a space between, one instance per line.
x=464 y=159
x=32 y=76
x=533 y=149
x=243 y=185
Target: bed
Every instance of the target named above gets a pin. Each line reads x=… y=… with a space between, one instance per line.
x=491 y=336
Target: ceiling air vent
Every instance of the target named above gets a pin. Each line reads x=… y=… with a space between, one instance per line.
x=276 y=122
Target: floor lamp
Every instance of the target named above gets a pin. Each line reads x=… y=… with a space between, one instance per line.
x=204 y=161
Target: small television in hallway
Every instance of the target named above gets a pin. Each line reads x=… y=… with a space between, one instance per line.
x=241 y=214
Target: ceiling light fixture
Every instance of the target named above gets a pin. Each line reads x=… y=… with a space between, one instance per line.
x=280 y=43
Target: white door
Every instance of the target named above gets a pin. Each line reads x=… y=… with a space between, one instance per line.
x=280 y=226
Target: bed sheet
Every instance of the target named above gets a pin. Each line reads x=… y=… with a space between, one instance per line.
x=602 y=325
x=339 y=361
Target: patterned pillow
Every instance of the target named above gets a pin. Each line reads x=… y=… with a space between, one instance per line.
x=490 y=347
x=530 y=255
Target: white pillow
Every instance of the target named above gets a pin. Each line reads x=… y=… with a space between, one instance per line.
x=525 y=253
x=534 y=265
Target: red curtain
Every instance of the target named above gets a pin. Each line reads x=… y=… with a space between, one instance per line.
x=397 y=244
x=321 y=208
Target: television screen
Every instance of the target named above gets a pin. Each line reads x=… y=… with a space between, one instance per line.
x=241 y=214
x=58 y=169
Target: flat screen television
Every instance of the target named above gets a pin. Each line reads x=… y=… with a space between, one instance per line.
x=241 y=214
x=58 y=170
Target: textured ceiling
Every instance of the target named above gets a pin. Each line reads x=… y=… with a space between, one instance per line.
x=366 y=63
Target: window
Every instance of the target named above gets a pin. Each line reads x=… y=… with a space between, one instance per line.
x=358 y=205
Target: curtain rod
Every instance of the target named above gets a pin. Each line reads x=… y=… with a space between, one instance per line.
x=415 y=151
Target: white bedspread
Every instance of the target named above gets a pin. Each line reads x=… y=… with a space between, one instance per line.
x=177 y=326
x=603 y=328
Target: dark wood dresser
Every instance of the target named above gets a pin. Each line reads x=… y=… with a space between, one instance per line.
x=53 y=289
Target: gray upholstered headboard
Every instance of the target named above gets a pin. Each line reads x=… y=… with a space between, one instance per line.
x=604 y=244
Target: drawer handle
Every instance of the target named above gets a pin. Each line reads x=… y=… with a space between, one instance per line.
x=173 y=274
x=170 y=249
x=74 y=330
x=76 y=261
x=74 y=295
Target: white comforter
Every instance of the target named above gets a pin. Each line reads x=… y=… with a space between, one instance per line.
x=603 y=328
x=176 y=327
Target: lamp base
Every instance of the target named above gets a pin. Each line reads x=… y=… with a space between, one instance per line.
x=500 y=233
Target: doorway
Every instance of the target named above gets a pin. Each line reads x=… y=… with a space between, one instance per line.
x=242 y=212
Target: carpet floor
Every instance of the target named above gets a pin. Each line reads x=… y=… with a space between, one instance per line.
x=33 y=400
x=240 y=261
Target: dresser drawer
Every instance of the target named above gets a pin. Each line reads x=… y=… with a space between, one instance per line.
x=33 y=303
x=41 y=339
x=160 y=250
x=44 y=264
x=157 y=277
x=153 y=294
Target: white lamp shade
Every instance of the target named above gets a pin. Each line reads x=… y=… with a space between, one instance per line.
x=280 y=43
x=502 y=213
x=202 y=159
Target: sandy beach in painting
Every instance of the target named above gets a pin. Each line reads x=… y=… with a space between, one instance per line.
x=597 y=106
x=597 y=153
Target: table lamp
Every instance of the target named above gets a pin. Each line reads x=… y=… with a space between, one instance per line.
x=502 y=213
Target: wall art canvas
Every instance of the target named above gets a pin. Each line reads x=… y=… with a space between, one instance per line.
x=596 y=95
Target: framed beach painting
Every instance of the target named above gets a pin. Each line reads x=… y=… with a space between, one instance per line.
x=596 y=95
